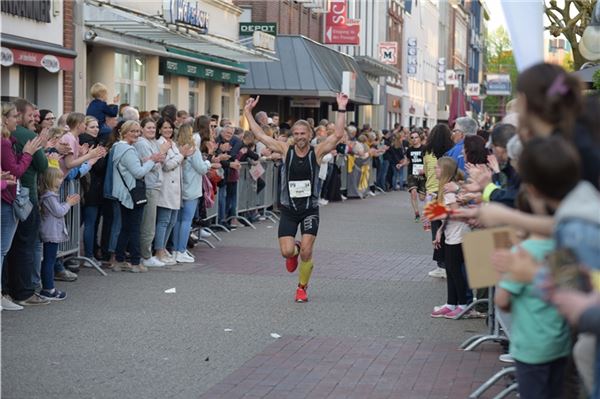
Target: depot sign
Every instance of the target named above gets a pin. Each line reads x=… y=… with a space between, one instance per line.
x=248 y=28
x=338 y=28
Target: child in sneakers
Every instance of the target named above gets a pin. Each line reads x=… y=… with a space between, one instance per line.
x=447 y=171
x=540 y=340
x=53 y=229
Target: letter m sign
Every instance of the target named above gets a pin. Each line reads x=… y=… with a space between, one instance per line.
x=388 y=52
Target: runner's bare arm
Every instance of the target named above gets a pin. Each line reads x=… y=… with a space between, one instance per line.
x=331 y=142
x=271 y=143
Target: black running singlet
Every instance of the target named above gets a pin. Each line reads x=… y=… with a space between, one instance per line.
x=299 y=178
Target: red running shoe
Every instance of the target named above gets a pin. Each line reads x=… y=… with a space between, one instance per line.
x=301 y=295
x=291 y=263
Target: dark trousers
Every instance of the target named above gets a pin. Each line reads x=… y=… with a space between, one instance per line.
x=20 y=260
x=438 y=253
x=455 y=280
x=129 y=237
x=50 y=251
x=107 y=218
x=541 y=381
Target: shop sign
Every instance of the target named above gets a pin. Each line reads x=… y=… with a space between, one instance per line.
x=7 y=58
x=248 y=28
x=49 y=62
x=388 y=52
x=349 y=84
x=305 y=103
x=451 y=77
x=38 y=10
x=498 y=85
x=263 y=41
x=441 y=74
x=188 y=13
x=472 y=89
x=177 y=67
x=338 y=28
x=411 y=59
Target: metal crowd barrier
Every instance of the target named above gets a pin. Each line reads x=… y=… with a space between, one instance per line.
x=71 y=249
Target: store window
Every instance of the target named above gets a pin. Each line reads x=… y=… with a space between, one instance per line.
x=131 y=79
x=164 y=90
x=193 y=95
x=225 y=102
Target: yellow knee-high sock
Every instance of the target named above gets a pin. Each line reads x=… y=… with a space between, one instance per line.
x=305 y=271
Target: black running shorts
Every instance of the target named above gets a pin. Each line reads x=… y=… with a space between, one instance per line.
x=307 y=219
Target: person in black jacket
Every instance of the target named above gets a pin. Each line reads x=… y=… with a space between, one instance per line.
x=92 y=188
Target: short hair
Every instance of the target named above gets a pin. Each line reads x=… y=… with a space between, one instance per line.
x=467 y=125
x=98 y=89
x=21 y=104
x=131 y=114
x=74 y=119
x=551 y=165
x=248 y=135
x=502 y=133
x=273 y=114
x=182 y=113
x=169 y=112
x=225 y=121
x=514 y=148
x=475 y=151
x=261 y=115
x=301 y=123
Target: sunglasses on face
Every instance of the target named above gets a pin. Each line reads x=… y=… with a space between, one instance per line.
x=213 y=126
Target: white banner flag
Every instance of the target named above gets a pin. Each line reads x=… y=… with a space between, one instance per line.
x=524 y=19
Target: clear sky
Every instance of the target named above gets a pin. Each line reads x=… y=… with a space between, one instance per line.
x=496 y=14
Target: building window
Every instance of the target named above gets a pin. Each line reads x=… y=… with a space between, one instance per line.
x=225 y=101
x=130 y=71
x=193 y=95
x=164 y=90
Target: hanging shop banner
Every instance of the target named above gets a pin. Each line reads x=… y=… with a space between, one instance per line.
x=178 y=67
x=498 y=85
x=51 y=63
x=441 y=74
x=248 y=28
x=411 y=59
x=472 y=89
x=304 y=102
x=388 y=52
x=451 y=77
x=338 y=28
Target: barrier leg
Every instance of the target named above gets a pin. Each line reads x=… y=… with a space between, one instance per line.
x=514 y=387
x=471 y=306
x=485 y=338
x=212 y=233
x=86 y=260
x=490 y=383
x=210 y=244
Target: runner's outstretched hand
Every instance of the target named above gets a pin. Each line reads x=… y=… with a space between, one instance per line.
x=342 y=100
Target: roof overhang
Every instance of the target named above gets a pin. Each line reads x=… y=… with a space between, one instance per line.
x=375 y=68
x=154 y=29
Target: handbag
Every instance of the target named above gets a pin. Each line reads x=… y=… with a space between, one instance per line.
x=138 y=193
x=22 y=204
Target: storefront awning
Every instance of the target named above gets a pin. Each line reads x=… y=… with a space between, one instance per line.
x=373 y=67
x=13 y=41
x=100 y=16
x=305 y=69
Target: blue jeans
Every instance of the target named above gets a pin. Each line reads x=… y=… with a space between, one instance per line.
x=50 y=251
x=165 y=221
x=8 y=228
x=227 y=201
x=382 y=173
x=398 y=178
x=182 y=228
x=115 y=229
x=38 y=249
x=90 y=214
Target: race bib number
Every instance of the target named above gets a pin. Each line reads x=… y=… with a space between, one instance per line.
x=417 y=169
x=299 y=188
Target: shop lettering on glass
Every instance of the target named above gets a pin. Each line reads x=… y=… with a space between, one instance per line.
x=189 y=13
x=38 y=10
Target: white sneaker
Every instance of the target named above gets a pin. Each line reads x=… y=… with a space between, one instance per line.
x=8 y=304
x=167 y=260
x=193 y=236
x=205 y=234
x=438 y=272
x=182 y=257
x=506 y=358
x=152 y=262
x=371 y=193
x=344 y=198
x=323 y=201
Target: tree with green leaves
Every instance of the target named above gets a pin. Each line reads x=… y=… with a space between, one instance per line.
x=569 y=18
x=499 y=58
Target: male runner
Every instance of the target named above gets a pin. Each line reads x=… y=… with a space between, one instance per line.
x=299 y=197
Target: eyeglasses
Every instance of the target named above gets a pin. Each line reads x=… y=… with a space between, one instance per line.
x=213 y=126
x=50 y=118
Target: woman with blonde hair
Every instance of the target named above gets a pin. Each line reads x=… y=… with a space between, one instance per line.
x=193 y=168
x=128 y=170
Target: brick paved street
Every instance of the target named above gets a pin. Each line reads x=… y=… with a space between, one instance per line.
x=366 y=332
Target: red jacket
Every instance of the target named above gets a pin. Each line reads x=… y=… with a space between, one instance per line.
x=14 y=163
